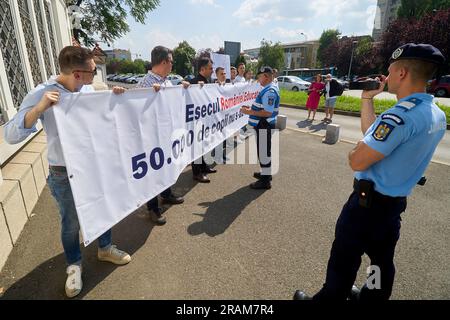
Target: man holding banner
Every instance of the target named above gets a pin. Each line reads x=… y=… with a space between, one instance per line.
x=263 y=114
x=77 y=73
x=162 y=62
x=200 y=170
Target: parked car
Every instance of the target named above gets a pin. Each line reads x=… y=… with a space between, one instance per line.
x=134 y=79
x=441 y=88
x=293 y=83
x=110 y=76
x=175 y=79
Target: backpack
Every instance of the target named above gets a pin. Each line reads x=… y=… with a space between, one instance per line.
x=340 y=89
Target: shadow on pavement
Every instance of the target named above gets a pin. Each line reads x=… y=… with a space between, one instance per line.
x=221 y=213
x=304 y=124
x=46 y=281
x=318 y=127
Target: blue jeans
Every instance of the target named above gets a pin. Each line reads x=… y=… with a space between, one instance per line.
x=58 y=183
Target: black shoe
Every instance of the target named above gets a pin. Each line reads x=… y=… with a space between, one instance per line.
x=209 y=170
x=173 y=200
x=300 y=295
x=157 y=217
x=258 y=175
x=202 y=178
x=261 y=184
x=354 y=294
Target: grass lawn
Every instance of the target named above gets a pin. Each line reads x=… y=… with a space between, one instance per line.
x=344 y=103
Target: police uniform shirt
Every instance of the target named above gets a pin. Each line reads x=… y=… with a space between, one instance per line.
x=15 y=131
x=407 y=135
x=267 y=100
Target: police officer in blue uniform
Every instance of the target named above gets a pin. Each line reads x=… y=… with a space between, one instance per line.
x=263 y=114
x=388 y=162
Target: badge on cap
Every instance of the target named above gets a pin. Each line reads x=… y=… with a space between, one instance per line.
x=397 y=53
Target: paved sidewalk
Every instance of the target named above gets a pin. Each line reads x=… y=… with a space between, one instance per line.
x=230 y=242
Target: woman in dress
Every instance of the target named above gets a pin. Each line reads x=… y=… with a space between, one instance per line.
x=314 y=96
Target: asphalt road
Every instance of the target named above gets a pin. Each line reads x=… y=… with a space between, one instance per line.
x=230 y=242
x=350 y=129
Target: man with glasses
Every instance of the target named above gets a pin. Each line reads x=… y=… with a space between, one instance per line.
x=77 y=73
x=162 y=61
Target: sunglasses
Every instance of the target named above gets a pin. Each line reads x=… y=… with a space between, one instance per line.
x=93 y=72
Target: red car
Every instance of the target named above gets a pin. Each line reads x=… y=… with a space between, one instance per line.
x=441 y=88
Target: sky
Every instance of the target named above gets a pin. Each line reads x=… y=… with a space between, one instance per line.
x=208 y=23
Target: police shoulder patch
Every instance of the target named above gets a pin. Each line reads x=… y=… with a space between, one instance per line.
x=393 y=117
x=271 y=101
x=382 y=131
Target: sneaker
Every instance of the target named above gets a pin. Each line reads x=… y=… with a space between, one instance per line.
x=157 y=217
x=74 y=284
x=113 y=255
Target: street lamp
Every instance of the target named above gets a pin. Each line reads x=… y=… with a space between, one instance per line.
x=351 y=59
x=306 y=38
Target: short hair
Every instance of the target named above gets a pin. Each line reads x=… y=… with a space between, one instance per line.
x=241 y=64
x=419 y=69
x=203 y=62
x=160 y=54
x=233 y=68
x=218 y=69
x=72 y=57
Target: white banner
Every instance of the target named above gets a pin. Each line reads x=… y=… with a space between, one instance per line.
x=123 y=150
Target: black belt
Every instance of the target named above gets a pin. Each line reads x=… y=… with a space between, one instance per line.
x=367 y=194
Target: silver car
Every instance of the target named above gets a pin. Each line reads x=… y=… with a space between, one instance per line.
x=175 y=79
x=293 y=83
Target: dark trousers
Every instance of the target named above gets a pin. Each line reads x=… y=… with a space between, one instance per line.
x=374 y=231
x=199 y=168
x=264 y=147
x=152 y=204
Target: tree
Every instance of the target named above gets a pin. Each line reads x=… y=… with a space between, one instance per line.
x=327 y=38
x=271 y=55
x=432 y=28
x=418 y=8
x=240 y=59
x=183 y=56
x=339 y=54
x=107 y=18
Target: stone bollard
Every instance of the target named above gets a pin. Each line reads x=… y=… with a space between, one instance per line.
x=281 y=122
x=332 y=135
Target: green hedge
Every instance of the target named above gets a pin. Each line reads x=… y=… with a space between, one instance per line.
x=345 y=103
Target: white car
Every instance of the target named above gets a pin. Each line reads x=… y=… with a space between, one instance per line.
x=175 y=79
x=293 y=83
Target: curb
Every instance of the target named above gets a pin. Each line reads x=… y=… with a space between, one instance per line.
x=340 y=112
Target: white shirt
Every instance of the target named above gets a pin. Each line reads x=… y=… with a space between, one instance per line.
x=15 y=131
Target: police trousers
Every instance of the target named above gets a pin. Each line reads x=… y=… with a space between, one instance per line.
x=374 y=231
x=264 y=147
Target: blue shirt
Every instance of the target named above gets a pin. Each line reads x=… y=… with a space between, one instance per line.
x=407 y=135
x=15 y=131
x=268 y=100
